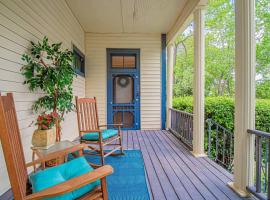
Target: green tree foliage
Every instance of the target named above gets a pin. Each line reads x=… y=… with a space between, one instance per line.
x=50 y=70
x=221 y=110
x=220 y=48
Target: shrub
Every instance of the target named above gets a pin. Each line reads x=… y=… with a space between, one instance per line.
x=221 y=110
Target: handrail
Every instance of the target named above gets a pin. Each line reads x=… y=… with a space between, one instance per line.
x=261 y=189
x=182 y=126
x=220 y=144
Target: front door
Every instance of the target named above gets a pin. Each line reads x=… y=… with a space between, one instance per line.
x=123 y=87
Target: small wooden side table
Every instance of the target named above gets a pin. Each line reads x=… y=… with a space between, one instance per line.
x=59 y=146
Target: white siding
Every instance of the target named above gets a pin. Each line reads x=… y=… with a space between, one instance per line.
x=96 y=70
x=21 y=22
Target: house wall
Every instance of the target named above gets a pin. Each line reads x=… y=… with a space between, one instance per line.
x=22 y=22
x=150 y=69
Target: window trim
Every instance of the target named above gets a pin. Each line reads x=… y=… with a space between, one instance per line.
x=77 y=51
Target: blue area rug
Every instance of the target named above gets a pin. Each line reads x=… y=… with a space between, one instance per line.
x=128 y=182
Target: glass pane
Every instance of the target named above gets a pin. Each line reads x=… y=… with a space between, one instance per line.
x=117 y=61
x=129 y=62
x=125 y=118
x=123 y=89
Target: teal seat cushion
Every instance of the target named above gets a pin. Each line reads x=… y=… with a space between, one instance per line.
x=94 y=136
x=61 y=173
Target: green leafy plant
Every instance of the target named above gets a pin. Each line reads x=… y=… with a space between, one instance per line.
x=49 y=70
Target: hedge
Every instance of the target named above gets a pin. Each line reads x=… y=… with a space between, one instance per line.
x=221 y=110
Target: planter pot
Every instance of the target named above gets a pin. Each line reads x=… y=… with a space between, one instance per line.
x=44 y=138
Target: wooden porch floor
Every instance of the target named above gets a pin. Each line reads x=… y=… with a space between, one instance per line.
x=172 y=171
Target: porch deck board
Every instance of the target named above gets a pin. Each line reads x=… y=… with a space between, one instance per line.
x=173 y=173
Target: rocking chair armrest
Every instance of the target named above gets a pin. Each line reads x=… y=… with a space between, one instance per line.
x=78 y=147
x=104 y=125
x=91 y=131
x=72 y=184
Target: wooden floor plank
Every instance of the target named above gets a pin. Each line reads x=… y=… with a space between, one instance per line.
x=210 y=178
x=189 y=187
x=130 y=140
x=136 y=144
x=156 y=189
x=197 y=182
x=124 y=136
x=165 y=183
x=169 y=171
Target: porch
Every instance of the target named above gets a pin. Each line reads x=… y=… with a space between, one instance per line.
x=172 y=170
x=174 y=173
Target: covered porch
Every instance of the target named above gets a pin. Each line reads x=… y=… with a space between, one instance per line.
x=145 y=30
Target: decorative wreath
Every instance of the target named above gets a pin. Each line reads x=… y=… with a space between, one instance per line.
x=123 y=81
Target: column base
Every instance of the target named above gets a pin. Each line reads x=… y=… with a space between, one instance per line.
x=198 y=155
x=241 y=193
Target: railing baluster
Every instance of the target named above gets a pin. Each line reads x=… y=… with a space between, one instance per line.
x=182 y=126
x=265 y=168
x=217 y=141
x=258 y=163
x=209 y=138
x=223 y=149
x=268 y=181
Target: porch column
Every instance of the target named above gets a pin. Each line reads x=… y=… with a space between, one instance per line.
x=244 y=95
x=198 y=83
x=170 y=63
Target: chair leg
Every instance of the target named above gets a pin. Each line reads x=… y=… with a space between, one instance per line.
x=101 y=153
x=104 y=188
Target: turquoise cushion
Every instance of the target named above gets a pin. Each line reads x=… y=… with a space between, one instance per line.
x=61 y=173
x=94 y=136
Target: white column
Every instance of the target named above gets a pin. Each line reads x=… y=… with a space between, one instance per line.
x=198 y=83
x=170 y=63
x=244 y=95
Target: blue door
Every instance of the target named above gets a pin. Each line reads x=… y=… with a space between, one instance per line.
x=123 y=87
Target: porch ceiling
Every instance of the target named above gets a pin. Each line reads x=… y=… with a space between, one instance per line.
x=127 y=16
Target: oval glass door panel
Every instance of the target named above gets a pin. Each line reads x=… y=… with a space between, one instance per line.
x=123 y=91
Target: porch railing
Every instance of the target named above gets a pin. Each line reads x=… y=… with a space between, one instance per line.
x=182 y=126
x=219 y=141
x=220 y=144
x=261 y=188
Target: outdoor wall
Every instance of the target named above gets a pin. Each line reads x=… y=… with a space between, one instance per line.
x=96 y=72
x=22 y=22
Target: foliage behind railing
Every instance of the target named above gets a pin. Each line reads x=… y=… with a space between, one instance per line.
x=182 y=126
x=219 y=144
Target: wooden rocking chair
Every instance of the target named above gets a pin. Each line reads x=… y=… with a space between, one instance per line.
x=90 y=132
x=17 y=169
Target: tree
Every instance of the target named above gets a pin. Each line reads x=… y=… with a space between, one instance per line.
x=50 y=70
x=220 y=48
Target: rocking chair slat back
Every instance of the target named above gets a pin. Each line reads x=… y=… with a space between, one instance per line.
x=87 y=114
x=12 y=147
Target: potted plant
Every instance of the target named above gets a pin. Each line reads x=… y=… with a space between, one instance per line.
x=45 y=135
x=49 y=71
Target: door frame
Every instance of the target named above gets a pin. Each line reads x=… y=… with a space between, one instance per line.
x=136 y=72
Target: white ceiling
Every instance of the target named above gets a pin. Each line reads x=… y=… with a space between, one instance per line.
x=126 y=16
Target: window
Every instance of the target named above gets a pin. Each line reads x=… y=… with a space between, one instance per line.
x=79 y=61
x=124 y=61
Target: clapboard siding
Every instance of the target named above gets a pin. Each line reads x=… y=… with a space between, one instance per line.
x=21 y=22
x=96 y=72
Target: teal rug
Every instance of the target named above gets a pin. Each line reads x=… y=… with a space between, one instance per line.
x=128 y=182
